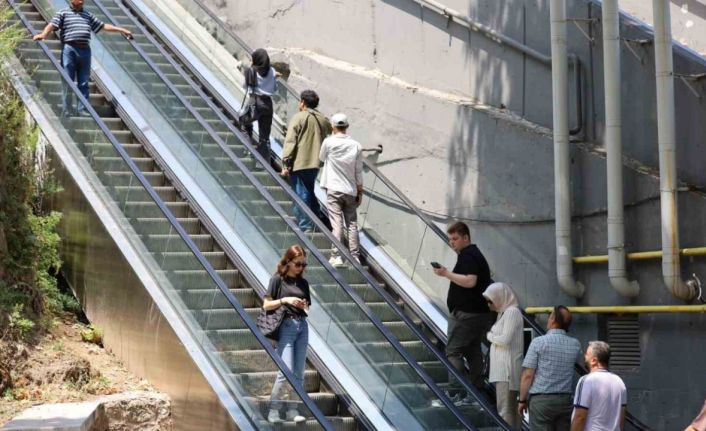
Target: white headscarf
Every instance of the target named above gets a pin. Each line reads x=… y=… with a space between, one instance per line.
x=502 y=296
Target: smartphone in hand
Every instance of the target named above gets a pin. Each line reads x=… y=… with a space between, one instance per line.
x=436 y=265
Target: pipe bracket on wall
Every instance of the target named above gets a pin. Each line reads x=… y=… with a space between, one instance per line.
x=589 y=21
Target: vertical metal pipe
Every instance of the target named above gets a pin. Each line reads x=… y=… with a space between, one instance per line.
x=617 y=272
x=666 y=136
x=562 y=172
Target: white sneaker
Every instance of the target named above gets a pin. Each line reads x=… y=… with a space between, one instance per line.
x=468 y=400
x=273 y=417
x=336 y=261
x=437 y=402
x=293 y=415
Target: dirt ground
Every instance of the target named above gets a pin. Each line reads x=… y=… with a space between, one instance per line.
x=60 y=368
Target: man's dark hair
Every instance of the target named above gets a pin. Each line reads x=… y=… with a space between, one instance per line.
x=600 y=351
x=562 y=317
x=310 y=98
x=459 y=228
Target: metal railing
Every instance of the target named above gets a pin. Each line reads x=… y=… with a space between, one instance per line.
x=264 y=342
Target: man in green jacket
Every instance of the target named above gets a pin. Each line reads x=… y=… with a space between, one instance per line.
x=306 y=130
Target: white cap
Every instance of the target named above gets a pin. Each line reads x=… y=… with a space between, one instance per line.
x=339 y=120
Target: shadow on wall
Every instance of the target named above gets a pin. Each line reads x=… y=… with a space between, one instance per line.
x=492 y=74
x=695 y=6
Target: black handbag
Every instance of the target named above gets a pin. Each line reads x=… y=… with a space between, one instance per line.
x=248 y=111
x=268 y=322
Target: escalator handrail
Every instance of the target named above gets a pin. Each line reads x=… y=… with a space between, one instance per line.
x=423 y=375
x=313 y=408
x=343 y=250
x=401 y=196
x=379 y=175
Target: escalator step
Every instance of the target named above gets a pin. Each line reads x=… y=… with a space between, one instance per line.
x=159 y=225
x=200 y=298
x=260 y=383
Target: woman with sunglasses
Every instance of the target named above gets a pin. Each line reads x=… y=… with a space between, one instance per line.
x=505 y=350
x=293 y=294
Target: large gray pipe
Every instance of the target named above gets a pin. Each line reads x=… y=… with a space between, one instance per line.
x=617 y=272
x=666 y=136
x=562 y=176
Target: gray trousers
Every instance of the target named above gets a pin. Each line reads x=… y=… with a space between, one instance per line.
x=466 y=332
x=343 y=213
x=550 y=412
x=507 y=404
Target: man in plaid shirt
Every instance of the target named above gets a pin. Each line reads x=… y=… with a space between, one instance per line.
x=547 y=375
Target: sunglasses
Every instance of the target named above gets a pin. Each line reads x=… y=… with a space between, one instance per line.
x=300 y=264
x=489 y=301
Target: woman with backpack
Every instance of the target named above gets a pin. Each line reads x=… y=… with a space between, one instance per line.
x=260 y=86
x=288 y=288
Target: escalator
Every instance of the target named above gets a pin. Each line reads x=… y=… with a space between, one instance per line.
x=394 y=318
x=402 y=261
x=202 y=282
x=397 y=383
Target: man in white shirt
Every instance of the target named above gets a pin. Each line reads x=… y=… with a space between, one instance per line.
x=342 y=179
x=601 y=397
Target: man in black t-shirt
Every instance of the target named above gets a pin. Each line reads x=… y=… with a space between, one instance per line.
x=470 y=318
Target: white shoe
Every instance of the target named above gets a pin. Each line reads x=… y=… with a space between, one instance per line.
x=273 y=417
x=293 y=415
x=436 y=402
x=336 y=261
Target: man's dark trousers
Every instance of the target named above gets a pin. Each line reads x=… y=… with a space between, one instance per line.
x=77 y=63
x=550 y=412
x=466 y=332
x=303 y=182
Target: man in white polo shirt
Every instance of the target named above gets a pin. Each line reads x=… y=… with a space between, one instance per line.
x=342 y=179
x=601 y=397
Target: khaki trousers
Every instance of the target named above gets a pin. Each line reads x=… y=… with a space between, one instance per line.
x=343 y=213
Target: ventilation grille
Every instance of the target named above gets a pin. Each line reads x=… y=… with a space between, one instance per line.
x=624 y=340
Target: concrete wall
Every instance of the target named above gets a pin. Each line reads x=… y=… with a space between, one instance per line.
x=464 y=123
x=688 y=20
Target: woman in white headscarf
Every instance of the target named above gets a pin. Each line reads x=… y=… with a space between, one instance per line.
x=505 y=350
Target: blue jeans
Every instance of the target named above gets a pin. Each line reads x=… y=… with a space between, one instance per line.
x=292 y=344
x=303 y=182
x=77 y=63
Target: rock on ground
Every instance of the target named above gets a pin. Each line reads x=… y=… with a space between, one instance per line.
x=137 y=410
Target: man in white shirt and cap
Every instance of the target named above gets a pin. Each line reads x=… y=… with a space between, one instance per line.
x=342 y=179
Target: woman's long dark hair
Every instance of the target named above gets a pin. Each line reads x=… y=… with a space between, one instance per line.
x=261 y=62
x=292 y=253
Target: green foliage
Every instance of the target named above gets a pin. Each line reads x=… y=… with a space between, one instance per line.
x=29 y=243
x=92 y=334
x=18 y=326
x=10 y=32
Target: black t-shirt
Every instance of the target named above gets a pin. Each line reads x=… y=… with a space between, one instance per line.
x=471 y=300
x=298 y=287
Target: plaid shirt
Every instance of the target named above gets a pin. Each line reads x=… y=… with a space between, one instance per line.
x=553 y=357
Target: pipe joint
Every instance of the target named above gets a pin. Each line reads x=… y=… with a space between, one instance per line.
x=623 y=286
x=571 y=286
x=684 y=290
